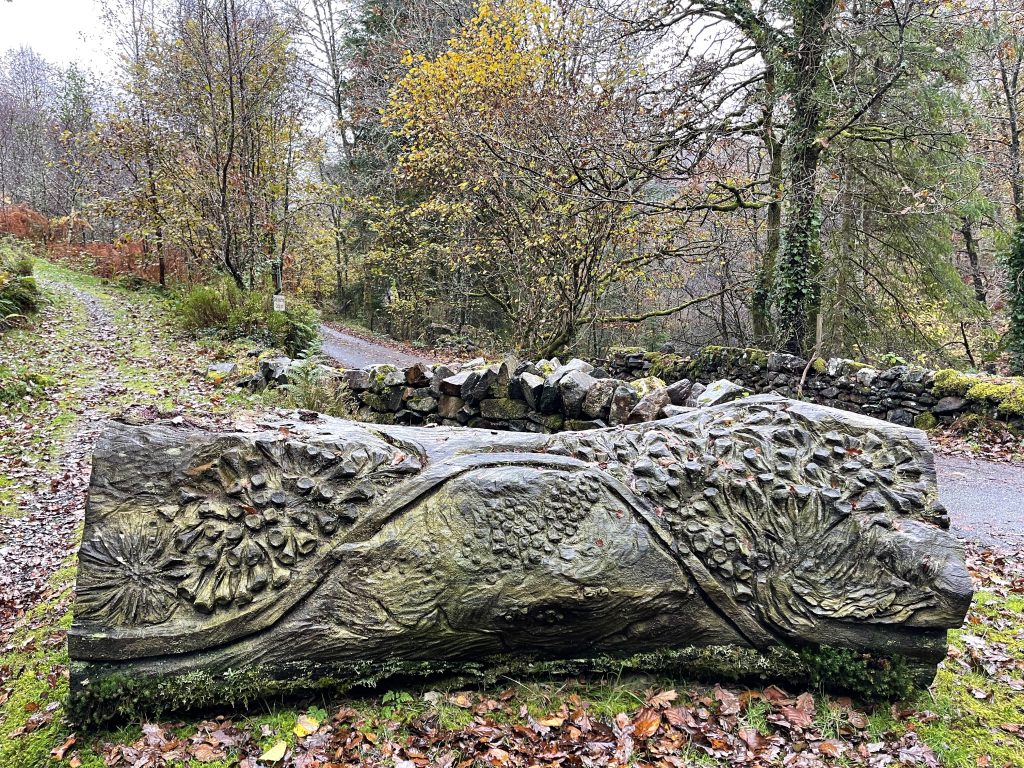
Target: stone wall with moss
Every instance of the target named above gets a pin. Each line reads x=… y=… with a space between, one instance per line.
x=902 y=394
x=632 y=385
x=510 y=395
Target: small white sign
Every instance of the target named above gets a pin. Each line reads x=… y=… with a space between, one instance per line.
x=278 y=302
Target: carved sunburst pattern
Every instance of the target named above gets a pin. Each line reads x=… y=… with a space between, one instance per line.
x=130 y=577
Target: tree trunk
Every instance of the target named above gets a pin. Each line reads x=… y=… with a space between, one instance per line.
x=356 y=592
x=971 y=245
x=798 y=294
x=761 y=300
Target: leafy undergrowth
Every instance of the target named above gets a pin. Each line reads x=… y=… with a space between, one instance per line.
x=976 y=436
x=971 y=716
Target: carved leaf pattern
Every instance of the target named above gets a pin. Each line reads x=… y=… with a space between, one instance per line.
x=802 y=524
x=248 y=516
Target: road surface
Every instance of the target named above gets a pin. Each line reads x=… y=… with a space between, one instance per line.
x=355 y=352
x=985 y=499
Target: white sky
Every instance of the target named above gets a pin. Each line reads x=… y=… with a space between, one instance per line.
x=61 y=31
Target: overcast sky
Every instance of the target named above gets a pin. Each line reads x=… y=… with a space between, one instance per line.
x=61 y=31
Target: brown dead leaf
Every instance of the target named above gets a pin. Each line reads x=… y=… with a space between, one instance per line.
x=775 y=694
x=662 y=700
x=207 y=753
x=729 y=701
x=752 y=739
x=801 y=714
x=57 y=753
x=646 y=723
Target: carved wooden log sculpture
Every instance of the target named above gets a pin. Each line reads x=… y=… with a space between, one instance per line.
x=335 y=551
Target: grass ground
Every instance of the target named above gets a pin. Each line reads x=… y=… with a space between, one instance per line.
x=970 y=717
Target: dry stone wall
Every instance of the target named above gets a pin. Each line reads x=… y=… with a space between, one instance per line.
x=902 y=394
x=510 y=395
x=632 y=386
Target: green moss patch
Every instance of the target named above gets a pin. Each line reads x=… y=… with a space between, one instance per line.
x=1005 y=394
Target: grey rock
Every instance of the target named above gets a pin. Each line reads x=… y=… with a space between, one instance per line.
x=646 y=385
x=679 y=392
x=221 y=370
x=452 y=385
x=695 y=392
x=478 y=384
x=582 y=425
x=577 y=365
x=573 y=388
x=624 y=400
x=837 y=366
x=599 y=398
x=449 y=406
x=784 y=363
x=441 y=372
x=418 y=375
x=649 y=407
x=356 y=379
x=550 y=400
x=675 y=410
x=900 y=416
x=275 y=370
x=421 y=404
x=386 y=375
x=531 y=386
x=255 y=382
x=502 y=409
x=950 y=406
x=721 y=391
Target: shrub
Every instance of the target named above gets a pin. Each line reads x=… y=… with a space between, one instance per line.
x=19 y=294
x=296 y=331
x=202 y=308
x=315 y=387
x=233 y=314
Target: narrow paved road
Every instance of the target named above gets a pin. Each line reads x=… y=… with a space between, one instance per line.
x=354 y=352
x=985 y=500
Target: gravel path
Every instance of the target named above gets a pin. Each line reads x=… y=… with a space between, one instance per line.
x=36 y=542
x=985 y=500
x=355 y=352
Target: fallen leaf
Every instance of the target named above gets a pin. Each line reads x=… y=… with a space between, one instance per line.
x=57 y=753
x=663 y=699
x=305 y=726
x=729 y=701
x=551 y=722
x=275 y=753
x=646 y=723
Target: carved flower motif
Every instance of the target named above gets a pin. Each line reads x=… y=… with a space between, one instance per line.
x=130 y=578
